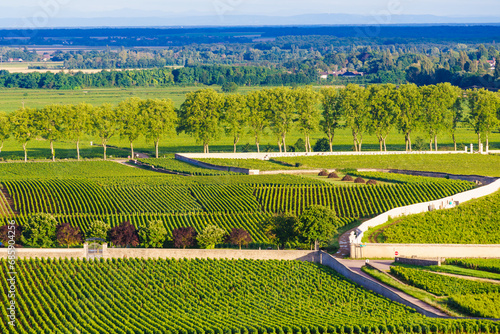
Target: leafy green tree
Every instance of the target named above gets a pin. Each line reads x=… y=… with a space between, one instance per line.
x=280 y=229
x=317 y=224
x=49 y=122
x=152 y=234
x=281 y=103
x=457 y=114
x=484 y=106
x=383 y=109
x=5 y=129
x=160 y=119
x=437 y=102
x=257 y=115
x=22 y=127
x=130 y=121
x=308 y=113
x=410 y=110
x=235 y=114
x=355 y=111
x=331 y=112
x=97 y=229
x=496 y=73
x=104 y=124
x=210 y=236
x=200 y=114
x=229 y=87
x=78 y=122
x=40 y=230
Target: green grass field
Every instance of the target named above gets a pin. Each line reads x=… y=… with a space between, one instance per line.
x=12 y=99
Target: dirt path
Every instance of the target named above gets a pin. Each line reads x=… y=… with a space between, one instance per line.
x=355 y=265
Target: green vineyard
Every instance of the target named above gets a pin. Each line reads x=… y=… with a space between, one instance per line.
x=205 y=296
x=361 y=201
x=491 y=265
x=113 y=192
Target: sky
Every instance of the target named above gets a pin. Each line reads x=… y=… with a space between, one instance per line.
x=145 y=8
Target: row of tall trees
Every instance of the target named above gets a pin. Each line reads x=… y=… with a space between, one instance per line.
x=375 y=110
x=206 y=115
x=129 y=119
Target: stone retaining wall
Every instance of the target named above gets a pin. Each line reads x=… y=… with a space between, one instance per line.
x=419 y=262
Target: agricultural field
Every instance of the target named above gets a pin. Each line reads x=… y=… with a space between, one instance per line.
x=206 y=296
x=171 y=164
x=476 y=298
x=80 y=192
x=474 y=222
x=467 y=164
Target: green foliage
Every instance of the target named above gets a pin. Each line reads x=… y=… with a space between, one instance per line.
x=229 y=87
x=491 y=265
x=210 y=236
x=280 y=229
x=486 y=305
x=182 y=167
x=295 y=296
x=97 y=229
x=321 y=145
x=40 y=230
x=299 y=146
x=442 y=285
x=152 y=234
x=317 y=224
x=474 y=222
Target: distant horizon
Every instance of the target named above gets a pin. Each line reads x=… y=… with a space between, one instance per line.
x=237 y=20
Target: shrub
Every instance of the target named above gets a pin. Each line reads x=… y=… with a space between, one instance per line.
x=246 y=148
x=359 y=179
x=324 y=172
x=184 y=237
x=229 y=87
x=97 y=229
x=68 y=235
x=152 y=234
x=298 y=164
x=124 y=235
x=347 y=178
x=211 y=236
x=40 y=230
x=333 y=175
x=239 y=237
x=418 y=144
x=322 y=145
x=300 y=145
x=371 y=182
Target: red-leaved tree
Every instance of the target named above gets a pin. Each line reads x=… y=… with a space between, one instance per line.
x=239 y=237
x=15 y=229
x=68 y=235
x=184 y=237
x=124 y=235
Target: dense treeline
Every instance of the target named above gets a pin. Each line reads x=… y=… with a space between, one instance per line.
x=205 y=75
x=205 y=114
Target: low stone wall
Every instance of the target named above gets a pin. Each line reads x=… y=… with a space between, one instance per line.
x=419 y=262
x=310 y=256
x=425 y=251
x=183 y=157
x=163 y=253
x=26 y=253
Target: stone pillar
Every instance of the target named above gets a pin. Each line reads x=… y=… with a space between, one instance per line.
x=353 y=251
x=471 y=148
x=104 y=250
x=85 y=250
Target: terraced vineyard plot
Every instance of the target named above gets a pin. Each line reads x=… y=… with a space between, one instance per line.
x=204 y=296
x=491 y=265
x=474 y=222
x=182 y=167
x=476 y=298
x=363 y=201
x=80 y=196
x=217 y=198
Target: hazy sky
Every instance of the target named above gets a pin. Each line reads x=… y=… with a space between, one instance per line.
x=96 y=8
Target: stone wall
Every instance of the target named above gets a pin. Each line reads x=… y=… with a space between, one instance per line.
x=311 y=256
x=425 y=251
x=419 y=262
x=26 y=253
